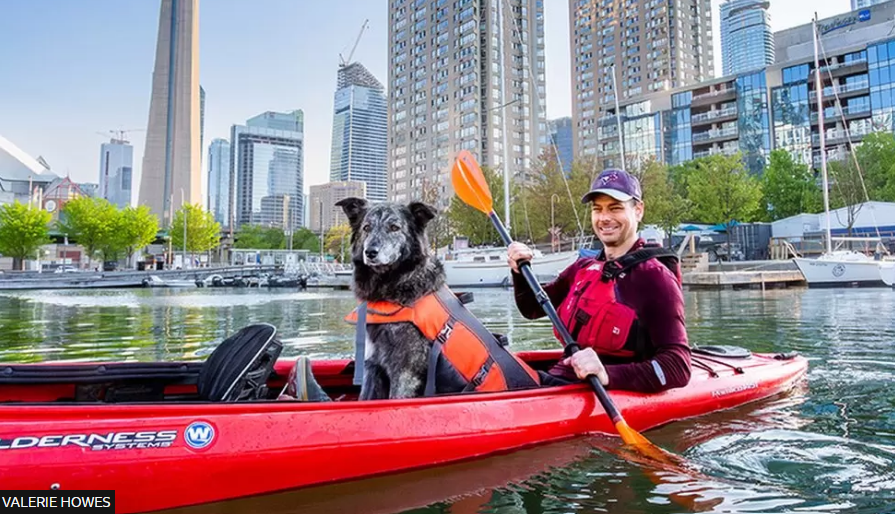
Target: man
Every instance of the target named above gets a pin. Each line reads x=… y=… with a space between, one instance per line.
x=627 y=303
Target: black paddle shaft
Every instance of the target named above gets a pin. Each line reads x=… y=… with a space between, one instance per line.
x=544 y=302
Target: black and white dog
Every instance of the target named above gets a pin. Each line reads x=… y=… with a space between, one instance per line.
x=393 y=263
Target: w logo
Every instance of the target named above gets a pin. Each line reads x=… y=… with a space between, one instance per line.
x=199 y=435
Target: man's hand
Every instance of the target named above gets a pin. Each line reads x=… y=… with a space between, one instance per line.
x=585 y=362
x=518 y=252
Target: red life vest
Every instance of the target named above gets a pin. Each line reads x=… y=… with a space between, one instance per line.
x=591 y=311
x=464 y=356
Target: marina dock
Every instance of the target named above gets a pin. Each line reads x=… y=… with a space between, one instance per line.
x=773 y=274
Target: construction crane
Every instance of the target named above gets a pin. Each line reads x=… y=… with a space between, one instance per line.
x=346 y=62
x=120 y=136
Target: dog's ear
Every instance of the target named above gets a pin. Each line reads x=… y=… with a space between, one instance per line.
x=422 y=213
x=354 y=209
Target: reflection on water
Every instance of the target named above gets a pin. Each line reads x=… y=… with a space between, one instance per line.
x=829 y=446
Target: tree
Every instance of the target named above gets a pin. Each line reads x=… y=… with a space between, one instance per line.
x=438 y=231
x=23 y=230
x=202 y=232
x=337 y=241
x=846 y=190
x=304 y=239
x=260 y=238
x=554 y=199
x=789 y=187
x=138 y=228
x=876 y=156
x=92 y=223
x=664 y=207
x=721 y=190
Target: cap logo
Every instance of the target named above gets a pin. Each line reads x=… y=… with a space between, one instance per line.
x=609 y=177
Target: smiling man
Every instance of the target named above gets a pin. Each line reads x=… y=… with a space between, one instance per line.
x=625 y=308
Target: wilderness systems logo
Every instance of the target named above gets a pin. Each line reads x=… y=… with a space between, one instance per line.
x=199 y=435
x=844 y=21
x=96 y=442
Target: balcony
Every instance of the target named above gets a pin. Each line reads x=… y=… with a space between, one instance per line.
x=843 y=90
x=715 y=135
x=842 y=69
x=721 y=95
x=724 y=150
x=836 y=154
x=711 y=116
x=839 y=136
x=833 y=115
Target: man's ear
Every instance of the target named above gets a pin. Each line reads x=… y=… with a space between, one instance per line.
x=354 y=209
x=422 y=213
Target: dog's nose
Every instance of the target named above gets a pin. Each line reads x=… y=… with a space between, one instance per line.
x=371 y=254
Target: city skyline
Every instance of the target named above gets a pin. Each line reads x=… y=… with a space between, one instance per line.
x=230 y=69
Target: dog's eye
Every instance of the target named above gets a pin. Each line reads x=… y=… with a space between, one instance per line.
x=394 y=228
x=367 y=228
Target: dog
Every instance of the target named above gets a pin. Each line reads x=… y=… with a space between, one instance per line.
x=393 y=263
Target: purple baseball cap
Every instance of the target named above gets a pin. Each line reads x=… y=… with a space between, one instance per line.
x=616 y=183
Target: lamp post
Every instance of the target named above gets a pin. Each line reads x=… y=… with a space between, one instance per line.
x=183 y=207
x=321 y=231
x=552 y=224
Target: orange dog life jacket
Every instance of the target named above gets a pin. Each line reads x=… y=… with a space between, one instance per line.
x=464 y=355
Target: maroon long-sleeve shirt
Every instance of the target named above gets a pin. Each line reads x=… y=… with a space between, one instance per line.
x=652 y=291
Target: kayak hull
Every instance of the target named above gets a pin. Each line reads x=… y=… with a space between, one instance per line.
x=164 y=455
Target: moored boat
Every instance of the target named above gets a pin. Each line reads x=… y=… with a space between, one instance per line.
x=165 y=435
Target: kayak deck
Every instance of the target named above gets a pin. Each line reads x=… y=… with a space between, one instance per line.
x=58 y=426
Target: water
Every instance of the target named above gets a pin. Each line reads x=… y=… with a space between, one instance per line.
x=829 y=446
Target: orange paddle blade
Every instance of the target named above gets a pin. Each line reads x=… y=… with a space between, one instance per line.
x=469 y=183
x=636 y=440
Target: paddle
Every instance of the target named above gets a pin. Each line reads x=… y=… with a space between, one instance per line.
x=469 y=184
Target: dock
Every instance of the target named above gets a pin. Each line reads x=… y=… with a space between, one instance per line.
x=773 y=274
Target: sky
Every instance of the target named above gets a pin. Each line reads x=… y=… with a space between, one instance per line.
x=71 y=71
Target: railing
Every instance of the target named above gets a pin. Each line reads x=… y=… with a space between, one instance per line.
x=713 y=93
x=714 y=133
x=730 y=111
x=834 y=66
x=835 y=135
x=845 y=88
x=847 y=111
x=725 y=150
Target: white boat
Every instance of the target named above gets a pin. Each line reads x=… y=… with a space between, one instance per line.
x=487 y=267
x=835 y=268
x=887 y=273
x=156 y=281
x=841 y=268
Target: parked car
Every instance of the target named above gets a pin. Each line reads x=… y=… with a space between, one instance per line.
x=66 y=269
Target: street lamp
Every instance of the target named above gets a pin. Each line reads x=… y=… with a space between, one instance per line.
x=552 y=224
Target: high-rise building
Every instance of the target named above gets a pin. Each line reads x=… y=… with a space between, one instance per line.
x=172 y=156
x=116 y=164
x=219 y=191
x=360 y=131
x=632 y=48
x=323 y=213
x=201 y=118
x=860 y=4
x=267 y=170
x=777 y=107
x=463 y=75
x=747 y=43
x=561 y=139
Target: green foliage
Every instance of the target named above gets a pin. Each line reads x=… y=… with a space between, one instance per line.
x=438 y=231
x=664 y=206
x=721 y=190
x=92 y=223
x=138 y=228
x=202 y=232
x=789 y=187
x=23 y=230
x=260 y=238
x=337 y=241
x=469 y=222
x=876 y=156
x=549 y=202
x=846 y=190
x=304 y=239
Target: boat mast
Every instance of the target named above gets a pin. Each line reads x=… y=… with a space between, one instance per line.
x=818 y=90
x=501 y=17
x=618 y=120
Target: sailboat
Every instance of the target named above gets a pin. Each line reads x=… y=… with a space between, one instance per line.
x=887 y=273
x=839 y=267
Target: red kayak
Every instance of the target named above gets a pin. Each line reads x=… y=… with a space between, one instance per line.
x=165 y=435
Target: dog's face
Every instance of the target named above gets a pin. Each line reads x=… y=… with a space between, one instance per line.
x=387 y=233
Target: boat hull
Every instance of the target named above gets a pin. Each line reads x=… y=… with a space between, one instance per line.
x=887 y=273
x=166 y=455
x=497 y=274
x=839 y=273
